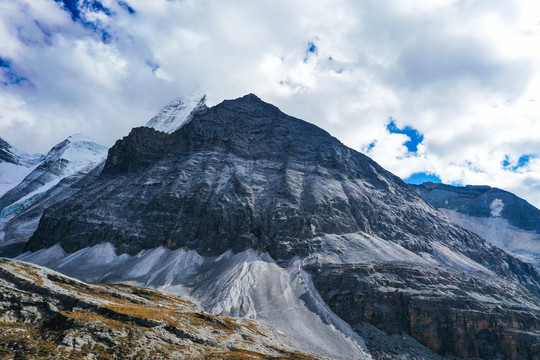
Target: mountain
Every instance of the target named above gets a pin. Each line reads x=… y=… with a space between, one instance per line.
x=177 y=113
x=14 y=165
x=46 y=315
x=22 y=206
x=257 y=214
x=500 y=217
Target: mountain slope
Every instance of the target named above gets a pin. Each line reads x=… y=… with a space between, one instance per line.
x=242 y=176
x=498 y=216
x=65 y=164
x=19 y=226
x=46 y=315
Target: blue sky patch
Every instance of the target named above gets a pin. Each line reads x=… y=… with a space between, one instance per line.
x=77 y=11
x=72 y=7
x=369 y=147
x=523 y=160
x=311 y=49
x=413 y=134
x=422 y=177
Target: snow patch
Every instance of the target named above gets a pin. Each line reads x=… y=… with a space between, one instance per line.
x=80 y=151
x=496 y=207
x=11 y=175
x=77 y=154
x=28 y=199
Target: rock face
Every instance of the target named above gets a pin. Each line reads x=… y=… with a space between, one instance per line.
x=19 y=226
x=242 y=175
x=7 y=154
x=452 y=313
x=45 y=315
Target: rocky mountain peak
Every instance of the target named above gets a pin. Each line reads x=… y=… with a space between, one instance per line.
x=244 y=175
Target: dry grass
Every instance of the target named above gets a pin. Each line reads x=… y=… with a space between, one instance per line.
x=27 y=270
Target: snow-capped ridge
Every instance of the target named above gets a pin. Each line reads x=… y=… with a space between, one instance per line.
x=177 y=113
x=79 y=150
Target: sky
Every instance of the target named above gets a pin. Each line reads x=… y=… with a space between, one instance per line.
x=438 y=90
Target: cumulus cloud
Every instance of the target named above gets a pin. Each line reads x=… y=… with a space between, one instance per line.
x=463 y=74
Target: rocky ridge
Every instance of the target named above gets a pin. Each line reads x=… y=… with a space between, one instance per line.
x=45 y=315
x=482 y=201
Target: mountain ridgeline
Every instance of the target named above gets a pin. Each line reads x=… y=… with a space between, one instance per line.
x=242 y=175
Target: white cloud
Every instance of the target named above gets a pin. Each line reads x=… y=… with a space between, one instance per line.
x=465 y=74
